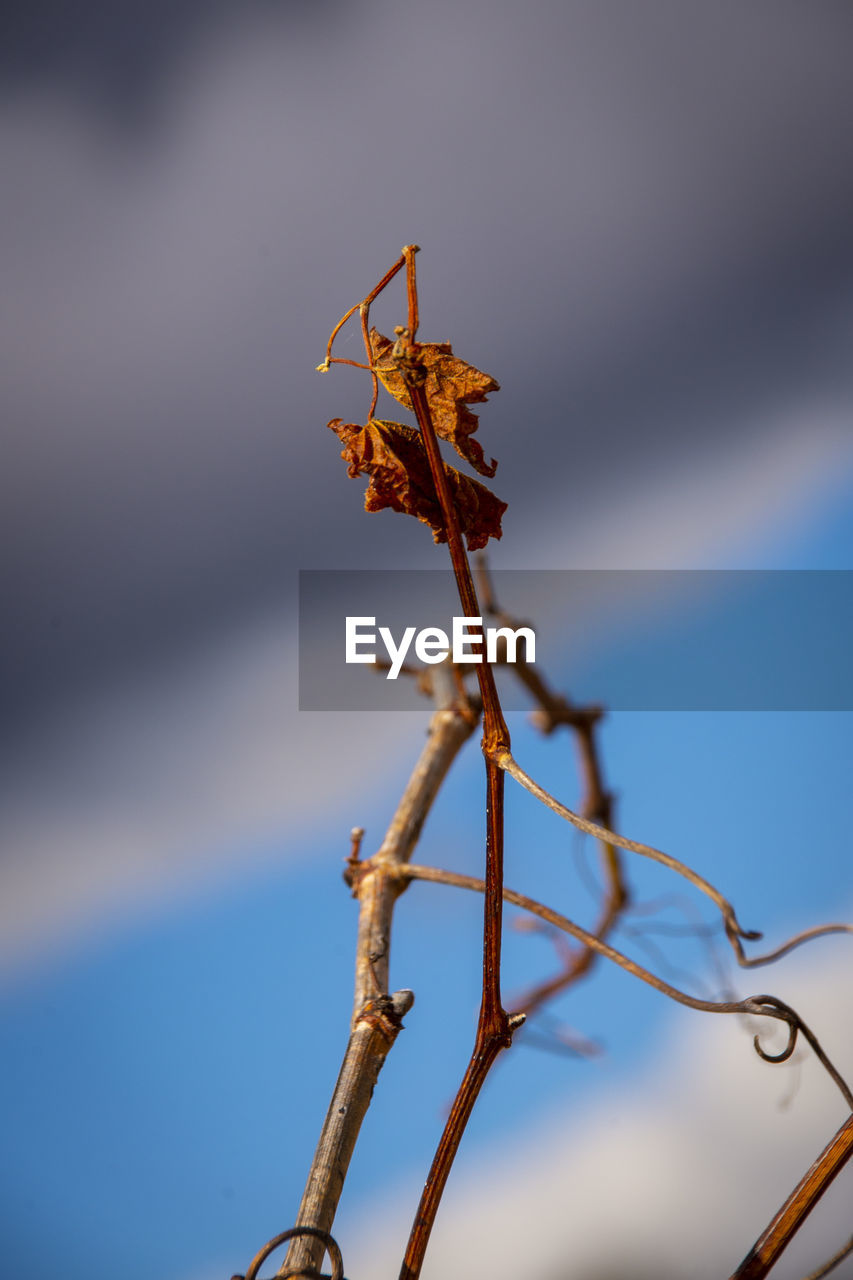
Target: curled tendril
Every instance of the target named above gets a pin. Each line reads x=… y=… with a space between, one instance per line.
x=331 y=1248
x=772 y=1007
x=763 y=1005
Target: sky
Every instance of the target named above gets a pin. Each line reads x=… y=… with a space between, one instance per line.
x=638 y=221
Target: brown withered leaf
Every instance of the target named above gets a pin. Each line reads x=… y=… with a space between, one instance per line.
x=395 y=459
x=451 y=385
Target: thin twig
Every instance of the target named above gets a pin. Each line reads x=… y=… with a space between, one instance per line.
x=376 y=887
x=370 y=1042
x=659 y=957
x=727 y=911
x=365 y=302
x=376 y=1015
x=364 y=319
x=734 y=931
x=554 y=711
x=555 y=708
x=374 y=881
x=494 y=1027
x=774 y=1240
x=764 y=1005
x=820 y=931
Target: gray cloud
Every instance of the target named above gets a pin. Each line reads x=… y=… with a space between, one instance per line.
x=111 y=803
x=637 y=220
x=640 y=224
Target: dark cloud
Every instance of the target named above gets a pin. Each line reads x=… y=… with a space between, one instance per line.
x=120 y=59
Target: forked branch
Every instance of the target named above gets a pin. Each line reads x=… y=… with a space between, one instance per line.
x=554 y=711
x=762 y=1005
x=376 y=1013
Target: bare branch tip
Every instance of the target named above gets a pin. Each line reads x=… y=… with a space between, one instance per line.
x=356 y=837
x=402 y=1001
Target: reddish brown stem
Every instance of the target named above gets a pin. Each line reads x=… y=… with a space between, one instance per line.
x=494 y=1027
x=411 y=289
x=493 y=1017
x=769 y=1247
x=355 y=364
x=371 y=297
x=494 y=725
x=554 y=711
x=364 y=313
x=481 y=1062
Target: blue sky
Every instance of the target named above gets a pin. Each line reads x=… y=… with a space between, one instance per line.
x=639 y=223
x=164 y=1083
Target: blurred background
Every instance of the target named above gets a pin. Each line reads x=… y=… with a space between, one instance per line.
x=637 y=218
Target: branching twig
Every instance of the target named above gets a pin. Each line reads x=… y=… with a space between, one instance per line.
x=365 y=302
x=819 y=931
x=370 y=1041
x=376 y=1015
x=763 y=1005
x=734 y=931
x=553 y=711
x=374 y=881
x=494 y=1027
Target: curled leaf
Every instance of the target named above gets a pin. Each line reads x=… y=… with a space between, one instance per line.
x=451 y=385
x=394 y=457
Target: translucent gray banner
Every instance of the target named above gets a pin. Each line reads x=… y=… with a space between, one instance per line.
x=634 y=640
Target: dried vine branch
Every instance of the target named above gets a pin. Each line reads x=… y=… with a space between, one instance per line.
x=376 y=1013
x=555 y=711
x=494 y=1026
x=734 y=931
x=763 y=1005
x=376 y=888
x=375 y=1030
